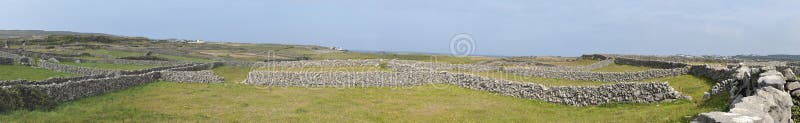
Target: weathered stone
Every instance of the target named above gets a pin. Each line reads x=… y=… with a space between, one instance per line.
x=724 y=117
x=796 y=93
x=205 y=76
x=6 y=61
x=77 y=61
x=789 y=75
x=792 y=86
x=25 y=61
x=53 y=60
x=772 y=78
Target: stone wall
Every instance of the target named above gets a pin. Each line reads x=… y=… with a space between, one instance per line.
x=204 y=76
x=600 y=76
x=712 y=72
x=9 y=55
x=137 y=62
x=78 y=89
x=66 y=89
x=671 y=58
x=21 y=52
x=410 y=65
x=74 y=69
x=650 y=63
x=578 y=96
x=307 y=63
x=758 y=95
x=6 y=61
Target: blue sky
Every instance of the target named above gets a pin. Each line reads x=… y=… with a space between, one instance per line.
x=499 y=27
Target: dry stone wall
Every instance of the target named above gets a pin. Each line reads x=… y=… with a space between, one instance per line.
x=600 y=76
x=670 y=58
x=578 y=96
x=308 y=63
x=71 y=90
x=204 y=76
x=66 y=89
x=138 y=62
x=38 y=55
x=758 y=95
x=74 y=69
x=650 y=63
x=6 y=61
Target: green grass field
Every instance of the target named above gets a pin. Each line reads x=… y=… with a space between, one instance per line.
x=110 y=66
x=118 y=54
x=621 y=68
x=234 y=102
x=229 y=102
x=14 y=72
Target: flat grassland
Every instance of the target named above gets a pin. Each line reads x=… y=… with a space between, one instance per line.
x=110 y=66
x=13 y=72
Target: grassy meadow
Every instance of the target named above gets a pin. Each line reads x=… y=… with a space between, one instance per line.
x=14 y=72
x=110 y=66
x=230 y=102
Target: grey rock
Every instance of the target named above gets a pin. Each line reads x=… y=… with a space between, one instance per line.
x=792 y=86
x=789 y=74
x=796 y=93
x=53 y=60
x=772 y=78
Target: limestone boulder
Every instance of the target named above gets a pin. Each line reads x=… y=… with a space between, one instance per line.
x=773 y=79
x=789 y=74
x=792 y=86
x=53 y=60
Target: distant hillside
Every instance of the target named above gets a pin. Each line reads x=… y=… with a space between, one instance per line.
x=38 y=34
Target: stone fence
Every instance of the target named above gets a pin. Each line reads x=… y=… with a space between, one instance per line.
x=577 y=96
x=21 y=52
x=758 y=95
x=10 y=55
x=74 y=69
x=71 y=90
x=650 y=63
x=714 y=73
x=204 y=76
x=669 y=58
x=599 y=76
x=66 y=89
x=137 y=62
x=6 y=61
x=308 y=63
